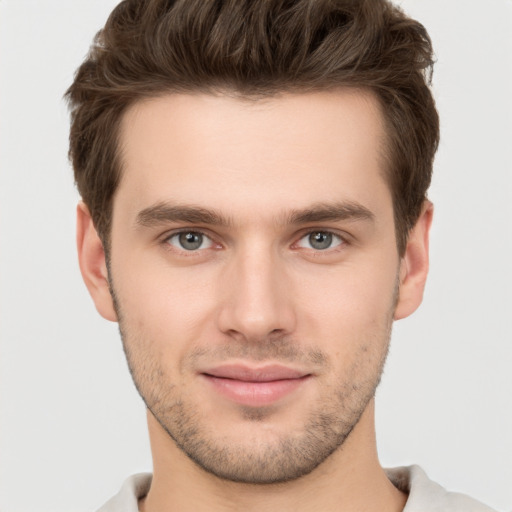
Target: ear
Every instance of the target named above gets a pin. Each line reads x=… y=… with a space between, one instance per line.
x=414 y=265
x=91 y=257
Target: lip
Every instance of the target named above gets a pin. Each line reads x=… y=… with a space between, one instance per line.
x=254 y=386
x=245 y=373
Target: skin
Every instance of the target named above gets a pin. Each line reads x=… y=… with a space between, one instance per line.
x=256 y=179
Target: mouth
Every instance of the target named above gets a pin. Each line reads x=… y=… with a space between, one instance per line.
x=254 y=386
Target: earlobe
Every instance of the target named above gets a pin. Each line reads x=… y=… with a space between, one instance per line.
x=414 y=265
x=91 y=258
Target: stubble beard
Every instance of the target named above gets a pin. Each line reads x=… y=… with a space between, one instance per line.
x=287 y=457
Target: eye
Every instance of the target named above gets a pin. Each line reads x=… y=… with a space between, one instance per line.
x=190 y=241
x=320 y=240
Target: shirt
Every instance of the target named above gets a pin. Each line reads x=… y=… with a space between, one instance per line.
x=424 y=494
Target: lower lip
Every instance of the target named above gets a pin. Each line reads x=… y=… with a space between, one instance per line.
x=254 y=394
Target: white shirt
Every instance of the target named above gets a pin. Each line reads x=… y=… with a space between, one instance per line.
x=424 y=495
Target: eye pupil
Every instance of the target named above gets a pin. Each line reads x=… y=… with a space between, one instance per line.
x=190 y=241
x=320 y=240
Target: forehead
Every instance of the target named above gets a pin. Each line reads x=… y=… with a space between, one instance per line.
x=281 y=152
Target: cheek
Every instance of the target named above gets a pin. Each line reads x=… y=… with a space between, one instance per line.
x=170 y=307
x=350 y=304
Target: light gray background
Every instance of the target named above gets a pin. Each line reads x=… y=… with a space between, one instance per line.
x=72 y=426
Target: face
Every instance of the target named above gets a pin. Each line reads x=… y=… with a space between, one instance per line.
x=255 y=273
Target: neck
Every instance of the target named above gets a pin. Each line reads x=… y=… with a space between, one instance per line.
x=349 y=479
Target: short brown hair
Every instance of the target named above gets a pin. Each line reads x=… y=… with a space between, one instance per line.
x=256 y=48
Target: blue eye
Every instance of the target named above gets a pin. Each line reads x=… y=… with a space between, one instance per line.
x=190 y=241
x=320 y=240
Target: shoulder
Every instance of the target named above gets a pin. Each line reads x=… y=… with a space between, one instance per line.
x=428 y=496
x=126 y=500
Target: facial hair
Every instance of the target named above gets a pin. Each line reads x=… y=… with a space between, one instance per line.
x=286 y=456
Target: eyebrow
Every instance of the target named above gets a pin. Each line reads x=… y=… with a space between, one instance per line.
x=331 y=212
x=162 y=213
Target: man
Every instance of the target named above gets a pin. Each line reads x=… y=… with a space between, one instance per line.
x=254 y=215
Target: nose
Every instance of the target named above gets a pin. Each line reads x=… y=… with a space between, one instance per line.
x=256 y=297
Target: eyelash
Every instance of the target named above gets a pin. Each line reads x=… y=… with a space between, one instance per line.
x=344 y=241
x=169 y=236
